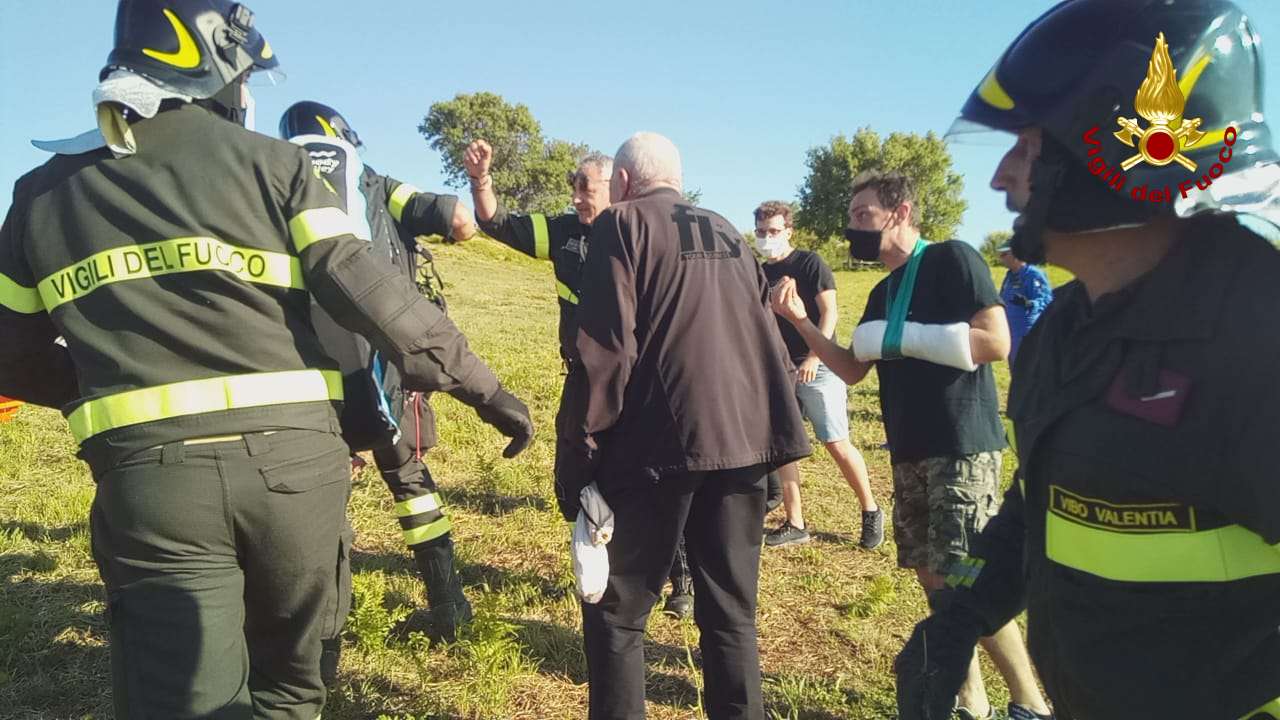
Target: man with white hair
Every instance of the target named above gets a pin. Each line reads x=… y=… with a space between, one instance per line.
x=562 y=239
x=680 y=362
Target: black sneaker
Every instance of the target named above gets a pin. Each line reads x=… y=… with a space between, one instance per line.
x=964 y=713
x=1022 y=712
x=786 y=534
x=872 y=529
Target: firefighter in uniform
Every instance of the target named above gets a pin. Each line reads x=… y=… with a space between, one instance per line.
x=563 y=240
x=377 y=415
x=178 y=262
x=1141 y=535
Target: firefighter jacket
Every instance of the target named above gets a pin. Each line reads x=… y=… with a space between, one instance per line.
x=562 y=240
x=181 y=278
x=1144 y=534
x=376 y=409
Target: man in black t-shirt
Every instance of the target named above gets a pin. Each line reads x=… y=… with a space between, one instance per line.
x=823 y=396
x=931 y=328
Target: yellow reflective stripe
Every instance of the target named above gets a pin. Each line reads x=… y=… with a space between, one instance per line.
x=965 y=572
x=1271 y=709
x=418 y=505
x=430 y=531
x=194 y=397
x=187 y=55
x=565 y=293
x=1220 y=555
x=311 y=226
x=1188 y=81
x=993 y=93
x=19 y=298
x=399 y=198
x=190 y=254
x=328 y=129
x=541 y=237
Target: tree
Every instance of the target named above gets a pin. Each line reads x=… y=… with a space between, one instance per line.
x=824 y=195
x=992 y=242
x=694 y=196
x=529 y=172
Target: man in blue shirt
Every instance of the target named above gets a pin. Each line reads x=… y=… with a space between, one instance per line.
x=1025 y=293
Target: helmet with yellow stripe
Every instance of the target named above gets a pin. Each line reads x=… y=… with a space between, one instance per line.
x=313 y=118
x=1132 y=94
x=192 y=47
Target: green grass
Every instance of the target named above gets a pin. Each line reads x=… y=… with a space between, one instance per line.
x=831 y=616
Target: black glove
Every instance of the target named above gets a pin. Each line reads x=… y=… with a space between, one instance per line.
x=1021 y=301
x=933 y=664
x=505 y=412
x=572 y=473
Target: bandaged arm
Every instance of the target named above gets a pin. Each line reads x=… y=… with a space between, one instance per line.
x=984 y=339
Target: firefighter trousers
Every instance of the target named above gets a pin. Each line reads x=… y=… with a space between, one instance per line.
x=225 y=563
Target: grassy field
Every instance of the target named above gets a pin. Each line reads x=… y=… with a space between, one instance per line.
x=831 y=616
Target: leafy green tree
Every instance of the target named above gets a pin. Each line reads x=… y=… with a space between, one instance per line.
x=529 y=172
x=824 y=195
x=992 y=242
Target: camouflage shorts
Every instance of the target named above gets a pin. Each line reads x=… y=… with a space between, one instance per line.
x=939 y=506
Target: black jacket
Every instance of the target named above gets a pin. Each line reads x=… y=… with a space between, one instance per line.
x=1145 y=538
x=376 y=407
x=563 y=240
x=682 y=367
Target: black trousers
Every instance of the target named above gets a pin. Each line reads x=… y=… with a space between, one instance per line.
x=225 y=565
x=720 y=514
x=419 y=508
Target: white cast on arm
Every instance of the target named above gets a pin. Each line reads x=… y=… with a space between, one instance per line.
x=941 y=344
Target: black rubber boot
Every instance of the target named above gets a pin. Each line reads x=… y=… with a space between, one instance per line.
x=447 y=606
x=330 y=653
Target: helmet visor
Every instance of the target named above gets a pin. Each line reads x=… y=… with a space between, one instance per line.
x=272 y=77
x=964 y=131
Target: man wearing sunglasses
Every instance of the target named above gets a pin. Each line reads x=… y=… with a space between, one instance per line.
x=562 y=239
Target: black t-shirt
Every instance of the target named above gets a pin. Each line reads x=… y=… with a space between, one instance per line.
x=933 y=410
x=812 y=276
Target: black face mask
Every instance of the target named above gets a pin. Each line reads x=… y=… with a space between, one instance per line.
x=864 y=244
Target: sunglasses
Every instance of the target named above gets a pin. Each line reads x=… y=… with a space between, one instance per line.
x=580 y=182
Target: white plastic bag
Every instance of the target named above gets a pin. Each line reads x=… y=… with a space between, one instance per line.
x=591 y=533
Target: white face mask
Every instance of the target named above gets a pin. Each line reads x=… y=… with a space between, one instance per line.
x=246 y=99
x=774 y=246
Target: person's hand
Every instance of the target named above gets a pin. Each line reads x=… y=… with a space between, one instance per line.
x=510 y=417
x=786 y=301
x=477 y=159
x=808 y=370
x=1021 y=300
x=933 y=664
x=572 y=472
x=461 y=226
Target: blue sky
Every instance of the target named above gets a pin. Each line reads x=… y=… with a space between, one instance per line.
x=743 y=88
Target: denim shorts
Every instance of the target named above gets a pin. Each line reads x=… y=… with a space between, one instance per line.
x=825 y=402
